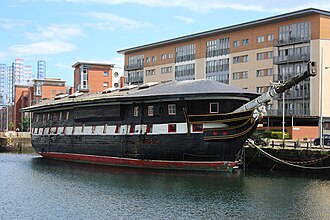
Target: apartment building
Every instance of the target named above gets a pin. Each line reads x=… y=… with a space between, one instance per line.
x=250 y=55
x=95 y=77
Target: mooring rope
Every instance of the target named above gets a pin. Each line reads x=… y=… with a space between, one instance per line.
x=286 y=162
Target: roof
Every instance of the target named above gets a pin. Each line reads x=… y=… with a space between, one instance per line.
x=92 y=63
x=188 y=88
x=255 y=23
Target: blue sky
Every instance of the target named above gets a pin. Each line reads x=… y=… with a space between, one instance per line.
x=63 y=32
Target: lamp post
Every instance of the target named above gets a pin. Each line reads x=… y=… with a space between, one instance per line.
x=321 y=100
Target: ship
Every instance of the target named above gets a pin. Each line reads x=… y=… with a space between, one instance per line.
x=184 y=125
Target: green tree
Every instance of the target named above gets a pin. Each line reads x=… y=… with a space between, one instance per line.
x=26 y=123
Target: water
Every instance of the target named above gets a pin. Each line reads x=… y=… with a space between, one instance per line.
x=35 y=188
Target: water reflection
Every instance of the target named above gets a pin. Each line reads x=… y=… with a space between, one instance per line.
x=37 y=188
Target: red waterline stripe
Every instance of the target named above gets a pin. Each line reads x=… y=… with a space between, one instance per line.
x=155 y=164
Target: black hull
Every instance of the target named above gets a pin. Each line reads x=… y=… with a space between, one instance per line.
x=176 y=147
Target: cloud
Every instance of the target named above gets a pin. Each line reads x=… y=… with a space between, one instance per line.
x=53 y=39
x=185 y=19
x=56 y=31
x=109 y=21
x=279 y=6
x=41 y=48
x=9 y=24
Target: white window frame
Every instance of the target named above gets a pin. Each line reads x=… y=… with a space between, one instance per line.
x=150 y=110
x=217 y=106
x=136 y=111
x=171 y=109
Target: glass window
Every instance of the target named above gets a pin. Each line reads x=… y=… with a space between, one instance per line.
x=164 y=56
x=150 y=110
x=172 y=109
x=154 y=58
x=136 y=111
x=270 y=37
x=244 y=75
x=245 y=58
x=236 y=43
x=235 y=59
x=214 y=107
x=105 y=84
x=245 y=42
x=260 y=39
x=235 y=75
x=260 y=56
x=106 y=73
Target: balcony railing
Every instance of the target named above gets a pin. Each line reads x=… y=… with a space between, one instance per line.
x=134 y=66
x=291 y=40
x=291 y=58
x=219 y=52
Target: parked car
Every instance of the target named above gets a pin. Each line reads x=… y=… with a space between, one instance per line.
x=326 y=140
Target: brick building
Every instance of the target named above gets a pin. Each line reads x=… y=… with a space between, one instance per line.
x=95 y=77
x=25 y=96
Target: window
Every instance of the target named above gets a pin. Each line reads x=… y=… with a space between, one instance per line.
x=270 y=72
x=67 y=116
x=218 y=47
x=170 y=55
x=163 y=70
x=154 y=58
x=164 y=56
x=235 y=75
x=270 y=37
x=106 y=73
x=260 y=89
x=214 y=107
x=235 y=59
x=244 y=75
x=260 y=39
x=270 y=54
x=260 y=56
x=147 y=72
x=169 y=69
x=153 y=72
x=260 y=73
x=245 y=42
x=148 y=60
x=172 y=128
x=172 y=109
x=136 y=111
x=197 y=128
x=185 y=53
x=150 y=110
x=105 y=84
x=236 y=43
x=245 y=58
x=53 y=91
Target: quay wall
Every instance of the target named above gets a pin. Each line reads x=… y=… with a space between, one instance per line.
x=15 y=142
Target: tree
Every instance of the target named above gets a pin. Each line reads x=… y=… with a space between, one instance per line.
x=25 y=123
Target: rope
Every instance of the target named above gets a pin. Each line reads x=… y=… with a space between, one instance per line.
x=286 y=162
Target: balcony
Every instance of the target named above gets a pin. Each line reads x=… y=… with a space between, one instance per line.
x=83 y=88
x=292 y=40
x=291 y=58
x=134 y=66
x=219 y=52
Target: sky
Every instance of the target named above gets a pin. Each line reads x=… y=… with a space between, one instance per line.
x=63 y=32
